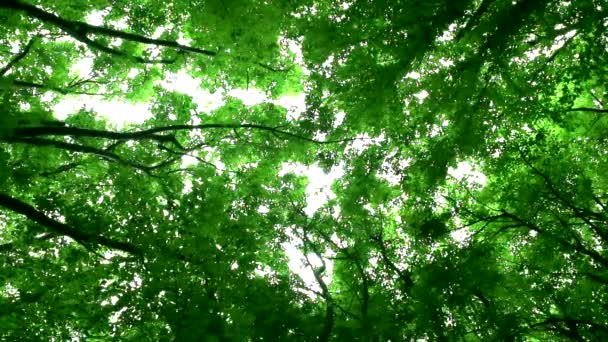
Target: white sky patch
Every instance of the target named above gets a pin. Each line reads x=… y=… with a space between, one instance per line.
x=413 y=75
x=361 y=142
x=387 y=171
x=187 y=186
x=295 y=47
x=461 y=235
x=183 y=40
x=295 y=104
x=184 y=83
x=339 y=119
x=423 y=94
x=83 y=67
x=116 y=315
x=465 y=170
x=188 y=160
x=318 y=191
x=249 y=97
x=118 y=112
x=558 y=43
x=96 y=17
x=298 y=265
x=160 y=30
x=446 y=62
x=561 y=40
x=448 y=34
x=208 y=102
x=15 y=48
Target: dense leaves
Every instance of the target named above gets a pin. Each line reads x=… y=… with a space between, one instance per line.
x=462 y=145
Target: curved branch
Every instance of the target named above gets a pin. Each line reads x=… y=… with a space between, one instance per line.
x=79 y=31
x=111 y=156
x=55 y=226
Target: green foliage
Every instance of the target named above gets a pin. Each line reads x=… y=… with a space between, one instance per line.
x=212 y=222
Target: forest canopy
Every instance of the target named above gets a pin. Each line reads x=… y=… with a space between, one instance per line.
x=304 y=170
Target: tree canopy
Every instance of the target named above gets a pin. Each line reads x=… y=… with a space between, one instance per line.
x=465 y=144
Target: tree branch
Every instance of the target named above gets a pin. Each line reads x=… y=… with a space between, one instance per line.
x=18 y=57
x=329 y=303
x=59 y=130
x=152 y=132
x=80 y=31
x=584 y=109
x=405 y=277
x=269 y=68
x=63 y=91
x=92 y=150
x=54 y=226
x=580 y=213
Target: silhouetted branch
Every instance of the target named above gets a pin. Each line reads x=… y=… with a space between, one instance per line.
x=58 y=130
x=364 y=279
x=55 y=226
x=268 y=67
x=113 y=157
x=62 y=168
x=151 y=133
x=44 y=87
x=405 y=277
x=80 y=31
x=329 y=303
x=583 y=109
x=580 y=213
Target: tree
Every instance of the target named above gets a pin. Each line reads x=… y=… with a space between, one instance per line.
x=182 y=227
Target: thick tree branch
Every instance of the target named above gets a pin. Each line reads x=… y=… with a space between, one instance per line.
x=583 y=109
x=268 y=67
x=329 y=302
x=80 y=31
x=360 y=269
x=55 y=226
x=569 y=321
x=59 y=130
x=75 y=148
x=152 y=132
